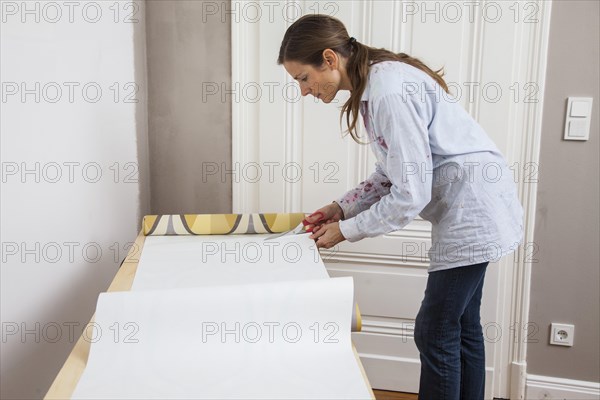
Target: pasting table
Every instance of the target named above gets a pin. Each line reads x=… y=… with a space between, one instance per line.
x=73 y=368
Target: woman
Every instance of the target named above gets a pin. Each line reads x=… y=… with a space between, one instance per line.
x=433 y=160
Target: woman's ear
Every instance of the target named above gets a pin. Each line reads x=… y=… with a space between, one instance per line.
x=330 y=58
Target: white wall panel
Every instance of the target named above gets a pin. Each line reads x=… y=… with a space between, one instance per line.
x=482 y=46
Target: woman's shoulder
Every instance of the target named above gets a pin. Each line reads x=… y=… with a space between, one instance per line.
x=396 y=77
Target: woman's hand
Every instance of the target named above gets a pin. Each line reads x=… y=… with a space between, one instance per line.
x=327 y=235
x=328 y=214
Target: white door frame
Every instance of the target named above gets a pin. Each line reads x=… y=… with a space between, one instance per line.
x=530 y=49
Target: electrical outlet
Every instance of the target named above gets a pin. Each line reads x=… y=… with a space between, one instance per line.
x=562 y=334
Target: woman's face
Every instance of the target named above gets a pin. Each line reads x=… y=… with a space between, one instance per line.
x=322 y=82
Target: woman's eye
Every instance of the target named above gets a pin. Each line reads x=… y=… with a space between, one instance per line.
x=304 y=79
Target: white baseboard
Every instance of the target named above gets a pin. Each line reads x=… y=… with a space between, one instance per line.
x=552 y=388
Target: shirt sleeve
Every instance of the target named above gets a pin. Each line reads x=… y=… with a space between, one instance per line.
x=365 y=194
x=402 y=121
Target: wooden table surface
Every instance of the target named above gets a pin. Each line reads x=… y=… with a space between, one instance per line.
x=65 y=382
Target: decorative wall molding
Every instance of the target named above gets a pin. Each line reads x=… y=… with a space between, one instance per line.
x=331 y=257
x=548 y=387
x=395 y=327
x=288 y=132
x=533 y=54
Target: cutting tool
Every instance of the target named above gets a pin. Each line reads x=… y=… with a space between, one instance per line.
x=298 y=230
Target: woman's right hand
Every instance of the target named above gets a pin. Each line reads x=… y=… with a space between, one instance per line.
x=330 y=213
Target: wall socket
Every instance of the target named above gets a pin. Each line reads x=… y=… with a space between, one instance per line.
x=562 y=334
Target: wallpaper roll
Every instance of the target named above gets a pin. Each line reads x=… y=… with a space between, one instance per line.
x=219 y=224
x=181 y=262
x=277 y=340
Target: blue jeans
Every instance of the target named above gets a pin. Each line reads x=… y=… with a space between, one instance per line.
x=449 y=337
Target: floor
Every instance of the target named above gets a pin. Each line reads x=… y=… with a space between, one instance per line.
x=385 y=395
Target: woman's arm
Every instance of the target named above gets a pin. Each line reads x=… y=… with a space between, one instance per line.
x=365 y=194
x=402 y=121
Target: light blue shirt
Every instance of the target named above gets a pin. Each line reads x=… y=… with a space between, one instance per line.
x=433 y=160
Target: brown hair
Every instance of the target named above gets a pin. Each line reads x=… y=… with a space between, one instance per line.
x=307 y=38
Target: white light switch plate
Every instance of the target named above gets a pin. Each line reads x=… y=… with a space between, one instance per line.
x=577 y=121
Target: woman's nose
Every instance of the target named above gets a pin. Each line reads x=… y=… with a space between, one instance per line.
x=304 y=89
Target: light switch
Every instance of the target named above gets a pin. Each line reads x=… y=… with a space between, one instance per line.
x=577 y=121
x=577 y=129
x=580 y=109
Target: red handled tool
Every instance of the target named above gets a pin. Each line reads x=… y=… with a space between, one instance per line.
x=299 y=229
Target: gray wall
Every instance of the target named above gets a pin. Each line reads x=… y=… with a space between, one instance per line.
x=184 y=54
x=141 y=115
x=565 y=278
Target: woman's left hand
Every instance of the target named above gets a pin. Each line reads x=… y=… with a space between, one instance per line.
x=327 y=235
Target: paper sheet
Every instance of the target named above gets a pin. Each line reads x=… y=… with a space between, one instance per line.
x=194 y=261
x=173 y=262
x=278 y=340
